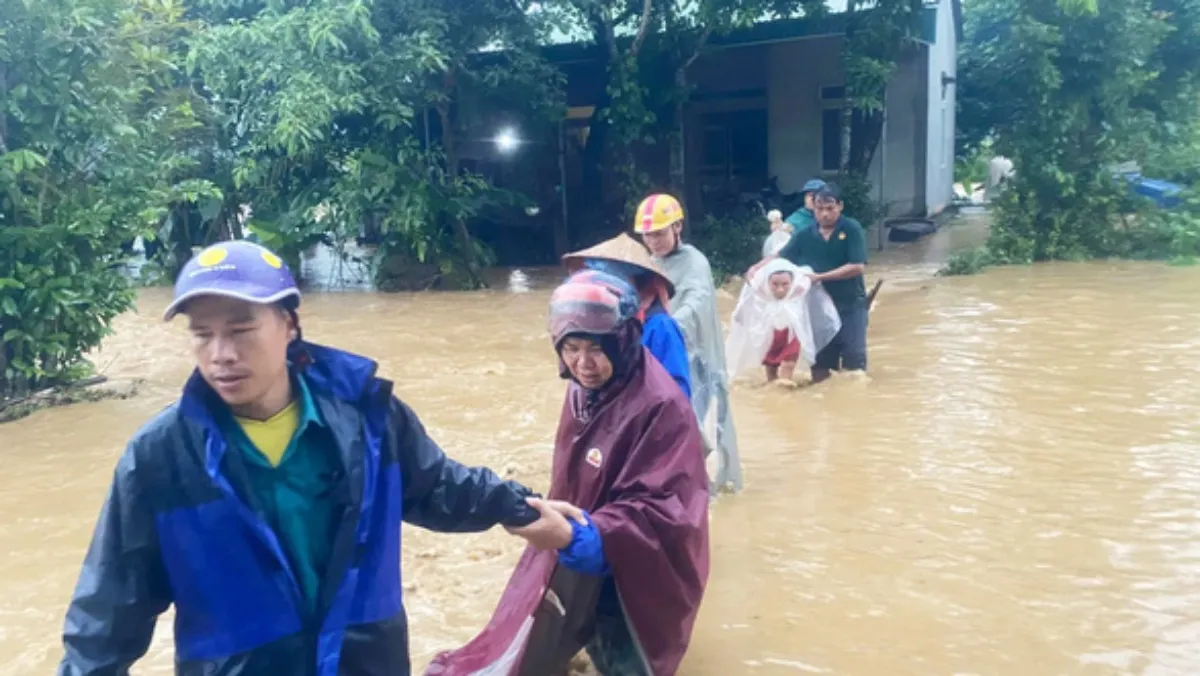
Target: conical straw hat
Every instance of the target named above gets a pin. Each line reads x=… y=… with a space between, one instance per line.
x=621 y=248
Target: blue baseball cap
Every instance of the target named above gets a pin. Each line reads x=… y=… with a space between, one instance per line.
x=813 y=185
x=239 y=269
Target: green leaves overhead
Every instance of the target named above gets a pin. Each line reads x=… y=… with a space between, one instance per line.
x=88 y=116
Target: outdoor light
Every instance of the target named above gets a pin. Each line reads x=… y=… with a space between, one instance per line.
x=507 y=141
x=532 y=210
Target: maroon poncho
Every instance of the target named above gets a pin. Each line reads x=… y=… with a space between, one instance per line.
x=649 y=500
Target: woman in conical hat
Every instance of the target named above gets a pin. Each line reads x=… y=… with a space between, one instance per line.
x=625 y=257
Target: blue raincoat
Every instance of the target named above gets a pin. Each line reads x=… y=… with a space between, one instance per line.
x=660 y=332
x=177 y=529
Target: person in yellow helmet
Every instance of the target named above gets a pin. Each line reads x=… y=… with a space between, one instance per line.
x=659 y=220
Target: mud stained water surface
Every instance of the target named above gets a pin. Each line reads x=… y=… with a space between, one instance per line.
x=1014 y=490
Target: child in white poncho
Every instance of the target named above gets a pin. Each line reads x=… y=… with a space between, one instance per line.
x=781 y=232
x=780 y=319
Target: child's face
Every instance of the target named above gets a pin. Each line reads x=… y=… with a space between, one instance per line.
x=781 y=284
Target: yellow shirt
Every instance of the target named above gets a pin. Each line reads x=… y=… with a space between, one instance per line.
x=273 y=436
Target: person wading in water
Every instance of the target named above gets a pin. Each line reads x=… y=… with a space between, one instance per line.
x=624 y=257
x=835 y=248
x=629 y=453
x=804 y=217
x=266 y=503
x=659 y=220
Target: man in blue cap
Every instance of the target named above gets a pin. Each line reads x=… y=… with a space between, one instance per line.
x=804 y=217
x=266 y=504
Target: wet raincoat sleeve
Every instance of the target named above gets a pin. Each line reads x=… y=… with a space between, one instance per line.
x=664 y=340
x=122 y=589
x=694 y=294
x=442 y=495
x=775 y=242
x=585 y=553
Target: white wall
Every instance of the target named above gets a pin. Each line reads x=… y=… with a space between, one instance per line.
x=796 y=72
x=913 y=169
x=899 y=159
x=939 y=170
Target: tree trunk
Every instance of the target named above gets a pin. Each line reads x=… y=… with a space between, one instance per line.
x=4 y=113
x=6 y=389
x=866 y=130
x=678 y=140
x=450 y=148
x=595 y=191
x=562 y=234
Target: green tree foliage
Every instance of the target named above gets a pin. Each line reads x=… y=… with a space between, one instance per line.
x=88 y=109
x=1067 y=91
x=190 y=121
x=325 y=106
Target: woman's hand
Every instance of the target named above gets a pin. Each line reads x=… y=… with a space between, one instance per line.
x=552 y=530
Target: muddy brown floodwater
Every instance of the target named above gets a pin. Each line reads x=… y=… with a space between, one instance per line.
x=1015 y=490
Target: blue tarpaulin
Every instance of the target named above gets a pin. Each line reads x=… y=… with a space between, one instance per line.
x=1163 y=193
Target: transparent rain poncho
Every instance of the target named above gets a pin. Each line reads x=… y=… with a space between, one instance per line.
x=780 y=234
x=775 y=242
x=807 y=313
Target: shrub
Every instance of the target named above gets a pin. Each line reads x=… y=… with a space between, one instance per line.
x=732 y=242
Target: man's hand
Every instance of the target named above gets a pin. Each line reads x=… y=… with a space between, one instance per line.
x=552 y=530
x=816 y=277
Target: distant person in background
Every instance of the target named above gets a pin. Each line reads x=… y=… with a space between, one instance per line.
x=659 y=220
x=625 y=257
x=781 y=232
x=835 y=248
x=1000 y=169
x=803 y=217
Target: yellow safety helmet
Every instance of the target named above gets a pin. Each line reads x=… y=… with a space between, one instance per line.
x=657 y=212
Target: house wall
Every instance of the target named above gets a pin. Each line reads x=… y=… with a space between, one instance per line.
x=939 y=167
x=797 y=71
x=912 y=171
x=896 y=169
x=726 y=81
